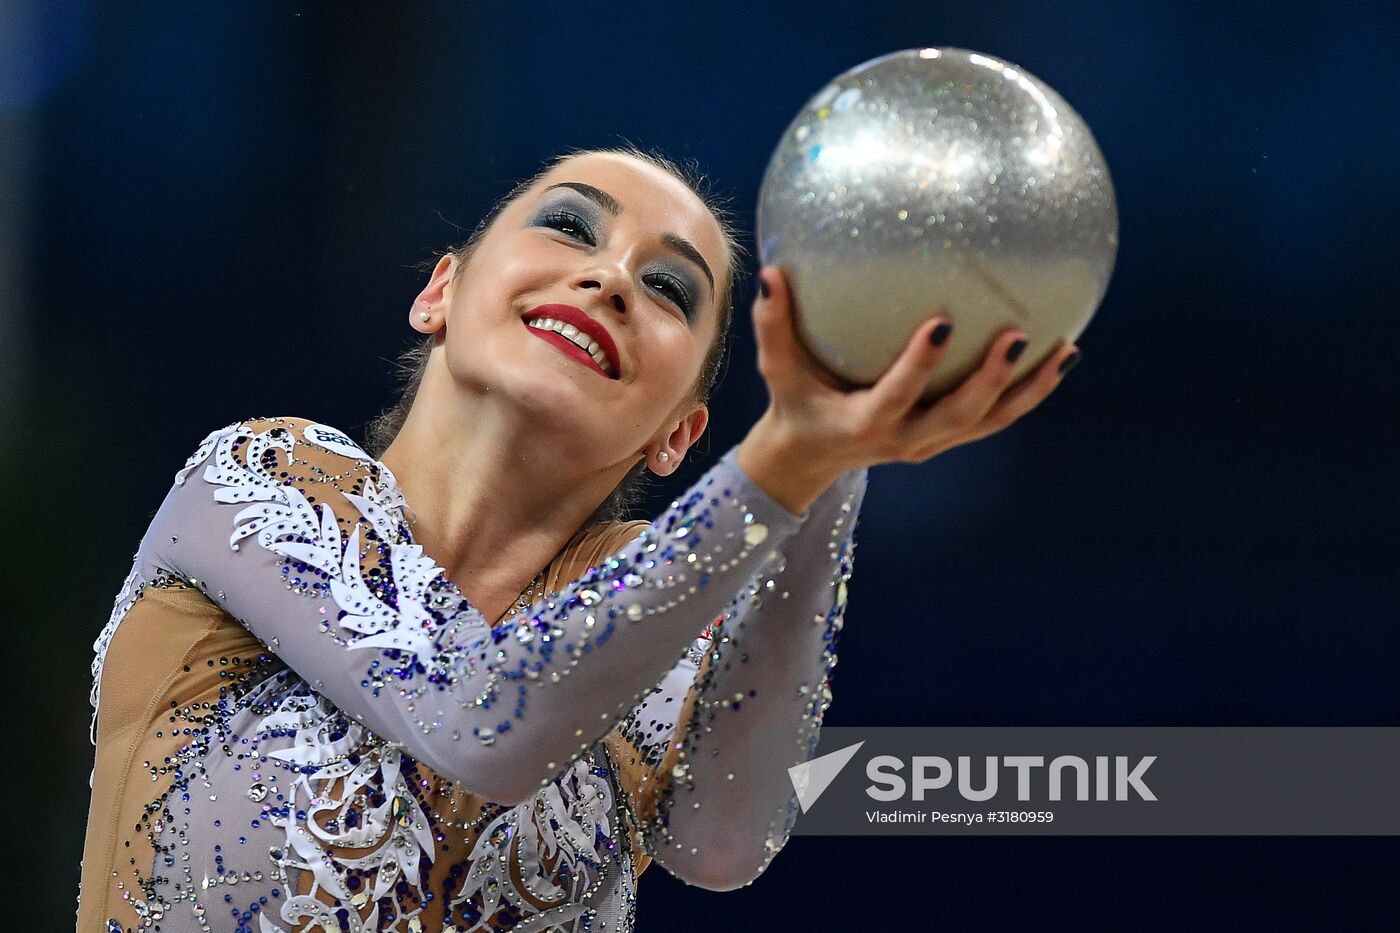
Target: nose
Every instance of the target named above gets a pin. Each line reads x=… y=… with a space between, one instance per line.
x=611 y=282
x=615 y=297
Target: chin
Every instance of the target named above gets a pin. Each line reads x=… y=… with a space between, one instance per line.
x=550 y=398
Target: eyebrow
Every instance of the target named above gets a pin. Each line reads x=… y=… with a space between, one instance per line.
x=609 y=204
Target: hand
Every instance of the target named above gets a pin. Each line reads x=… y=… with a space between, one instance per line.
x=817 y=428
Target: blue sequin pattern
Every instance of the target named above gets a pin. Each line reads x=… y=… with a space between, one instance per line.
x=372 y=755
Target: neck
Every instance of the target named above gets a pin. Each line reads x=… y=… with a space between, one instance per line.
x=495 y=500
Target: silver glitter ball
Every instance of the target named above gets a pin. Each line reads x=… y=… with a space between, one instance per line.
x=937 y=177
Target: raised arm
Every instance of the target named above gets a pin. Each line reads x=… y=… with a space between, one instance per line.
x=301 y=536
x=715 y=814
x=711 y=813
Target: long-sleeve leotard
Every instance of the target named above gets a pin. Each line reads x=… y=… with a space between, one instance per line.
x=294 y=531
x=749 y=703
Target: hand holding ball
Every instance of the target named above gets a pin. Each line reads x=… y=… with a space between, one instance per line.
x=937 y=178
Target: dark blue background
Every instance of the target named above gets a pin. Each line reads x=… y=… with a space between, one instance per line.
x=213 y=211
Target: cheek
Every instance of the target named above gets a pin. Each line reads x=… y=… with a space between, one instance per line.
x=489 y=297
x=528 y=259
x=511 y=265
x=672 y=356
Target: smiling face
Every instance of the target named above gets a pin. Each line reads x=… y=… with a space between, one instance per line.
x=591 y=303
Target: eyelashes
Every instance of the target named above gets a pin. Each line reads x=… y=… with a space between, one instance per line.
x=569 y=224
x=673 y=288
x=575 y=227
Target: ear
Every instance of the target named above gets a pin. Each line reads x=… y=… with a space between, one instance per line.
x=434 y=299
x=675 y=445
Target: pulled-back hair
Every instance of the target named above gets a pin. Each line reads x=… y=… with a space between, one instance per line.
x=412 y=363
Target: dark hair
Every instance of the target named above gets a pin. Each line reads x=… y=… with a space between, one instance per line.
x=412 y=363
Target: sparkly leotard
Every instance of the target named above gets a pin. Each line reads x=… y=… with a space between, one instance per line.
x=301 y=724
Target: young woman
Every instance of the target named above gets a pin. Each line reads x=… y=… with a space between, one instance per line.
x=446 y=687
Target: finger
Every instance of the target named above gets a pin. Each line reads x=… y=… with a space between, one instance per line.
x=962 y=410
x=784 y=362
x=1020 y=400
x=900 y=388
x=773 y=327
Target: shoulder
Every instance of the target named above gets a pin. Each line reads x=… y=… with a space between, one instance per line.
x=618 y=534
x=316 y=434
x=300 y=439
x=297 y=464
x=292 y=430
x=590 y=547
x=610 y=537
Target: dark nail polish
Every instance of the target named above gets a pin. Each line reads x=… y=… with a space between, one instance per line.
x=1013 y=353
x=763 y=288
x=1070 y=362
x=940 y=334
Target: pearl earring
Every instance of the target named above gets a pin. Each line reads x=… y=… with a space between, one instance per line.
x=424 y=316
x=663 y=456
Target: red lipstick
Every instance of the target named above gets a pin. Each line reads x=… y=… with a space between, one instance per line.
x=585 y=325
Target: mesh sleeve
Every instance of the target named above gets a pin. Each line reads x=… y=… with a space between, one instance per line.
x=718 y=735
x=299 y=535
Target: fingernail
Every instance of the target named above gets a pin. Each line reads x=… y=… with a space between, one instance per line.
x=1070 y=362
x=940 y=334
x=1013 y=353
x=763 y=288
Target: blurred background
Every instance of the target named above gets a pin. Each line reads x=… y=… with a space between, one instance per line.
x=213 y=211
